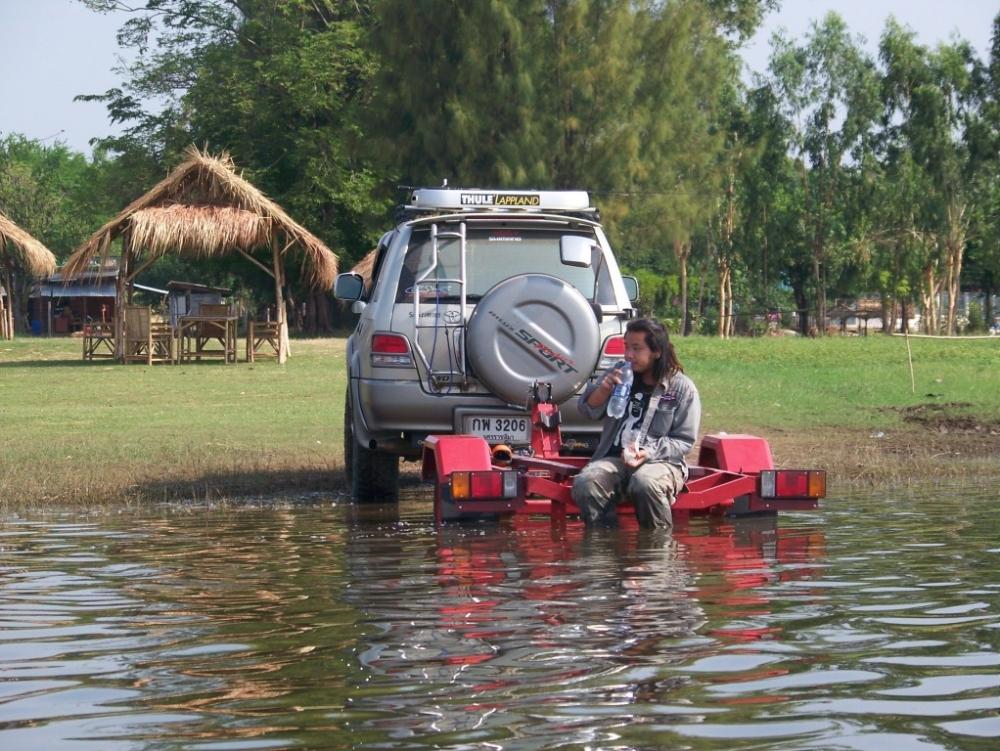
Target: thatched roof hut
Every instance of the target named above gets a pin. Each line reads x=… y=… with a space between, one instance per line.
x=366 y=267
x=204 y=208
x=18 y=250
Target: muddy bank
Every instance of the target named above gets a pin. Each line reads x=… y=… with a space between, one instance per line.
x=915 y=454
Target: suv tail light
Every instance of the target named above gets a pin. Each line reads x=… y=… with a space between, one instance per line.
x=613 y=352
x=391 y=351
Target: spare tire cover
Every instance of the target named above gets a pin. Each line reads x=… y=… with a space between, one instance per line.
x=529 y=328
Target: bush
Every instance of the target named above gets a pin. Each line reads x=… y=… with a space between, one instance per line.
x=977 y=322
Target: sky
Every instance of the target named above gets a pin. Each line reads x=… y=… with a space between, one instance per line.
x=53 y=50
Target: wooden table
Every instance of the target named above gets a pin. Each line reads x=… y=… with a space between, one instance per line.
x=98 y=340
x=195 y=332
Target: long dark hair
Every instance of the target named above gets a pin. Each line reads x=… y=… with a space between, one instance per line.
x=658 y=341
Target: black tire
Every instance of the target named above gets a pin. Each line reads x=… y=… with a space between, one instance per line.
x=372 y=476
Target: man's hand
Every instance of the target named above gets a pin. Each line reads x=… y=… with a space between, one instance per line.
x=599 y=396
x=634 y=457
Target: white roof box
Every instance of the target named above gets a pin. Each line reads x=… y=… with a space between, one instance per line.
x=483 y=199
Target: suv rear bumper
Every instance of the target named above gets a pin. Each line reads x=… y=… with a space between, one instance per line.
x=390 y=416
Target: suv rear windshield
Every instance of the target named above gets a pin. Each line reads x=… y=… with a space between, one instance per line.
x=492 y=255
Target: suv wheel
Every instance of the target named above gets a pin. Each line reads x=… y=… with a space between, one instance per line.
x=372 y=476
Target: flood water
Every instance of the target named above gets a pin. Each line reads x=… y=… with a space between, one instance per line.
x=872 y=623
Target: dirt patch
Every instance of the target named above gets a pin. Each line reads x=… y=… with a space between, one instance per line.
x=948 y=417
x=910 y=454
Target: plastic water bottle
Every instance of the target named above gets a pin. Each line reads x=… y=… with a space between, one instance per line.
x=620 y=396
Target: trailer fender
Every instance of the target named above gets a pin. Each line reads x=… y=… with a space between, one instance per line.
x=444 y=454
x=744 y=454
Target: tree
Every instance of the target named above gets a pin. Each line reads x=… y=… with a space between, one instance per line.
x=283 y=87
x=984 y=146
x=828 y=89
x=48 y=191
x=688 y=65
x=929 y=97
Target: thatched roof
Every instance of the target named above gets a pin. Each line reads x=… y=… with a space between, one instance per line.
x=203 y=208
x=365 y=267
x=26 y=252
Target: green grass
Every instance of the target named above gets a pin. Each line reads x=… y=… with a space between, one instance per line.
x=844 y=383
x=74 y=431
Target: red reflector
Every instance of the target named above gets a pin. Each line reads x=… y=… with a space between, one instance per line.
x=486 y=484
x=390 y=344
x=791 y=483
x=615 y=346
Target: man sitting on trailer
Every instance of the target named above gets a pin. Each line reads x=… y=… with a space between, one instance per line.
x=640 y=456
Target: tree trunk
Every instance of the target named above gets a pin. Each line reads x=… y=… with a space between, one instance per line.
x=732 y=309
x=954 y=250
x=817 y=268
x=722 y=330
x=682 y=251
x=988 y=302
x=928 y=300
x=324 y=322
x=802 y=303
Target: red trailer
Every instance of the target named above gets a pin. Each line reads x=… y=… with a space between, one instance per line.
x=735 y=475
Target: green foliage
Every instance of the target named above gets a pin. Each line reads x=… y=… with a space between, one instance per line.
x=977 y=323
x=49 y=192
x=833 y=176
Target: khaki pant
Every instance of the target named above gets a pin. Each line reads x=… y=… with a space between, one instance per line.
x=604 y=483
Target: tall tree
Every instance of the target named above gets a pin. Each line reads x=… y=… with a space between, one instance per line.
x=282 y=86
x=688 y=64
x=928 y=97
x=829 y=90
x=49 y=191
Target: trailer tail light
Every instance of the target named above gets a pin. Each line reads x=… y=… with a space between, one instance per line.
x=391 y=351
x=792 y=483
x=484 y=485
x=613 y=352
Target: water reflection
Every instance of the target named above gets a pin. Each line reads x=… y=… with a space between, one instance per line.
x=870 y=622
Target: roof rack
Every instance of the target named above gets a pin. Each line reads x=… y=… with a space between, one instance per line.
x=486 y=200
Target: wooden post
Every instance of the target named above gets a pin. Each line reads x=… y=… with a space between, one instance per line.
x=3 y=313
x=7 y=311
x=120 y=302
x=6 y=330
x=279 y=298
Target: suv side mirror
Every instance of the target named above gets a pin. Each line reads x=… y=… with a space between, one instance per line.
x=631 y=288
x=349 y=286
x=575 y=250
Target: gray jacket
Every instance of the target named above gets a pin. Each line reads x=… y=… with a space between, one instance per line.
x=673 y=430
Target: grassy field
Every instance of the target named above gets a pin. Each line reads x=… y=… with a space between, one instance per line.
x=87 y=431
x=95 y=432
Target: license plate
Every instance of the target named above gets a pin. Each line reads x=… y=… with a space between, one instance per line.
x=498 y=428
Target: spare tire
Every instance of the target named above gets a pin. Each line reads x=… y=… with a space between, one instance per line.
x=529 y=328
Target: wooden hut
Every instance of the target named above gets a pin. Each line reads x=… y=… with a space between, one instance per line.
x=19 y=252
x=204 y=208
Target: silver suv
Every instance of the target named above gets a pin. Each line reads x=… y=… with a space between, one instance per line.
x=475 y=297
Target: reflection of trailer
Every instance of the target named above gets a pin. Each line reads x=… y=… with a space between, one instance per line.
x=735 y=475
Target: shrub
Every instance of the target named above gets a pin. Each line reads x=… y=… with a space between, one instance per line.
x=977 y=322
